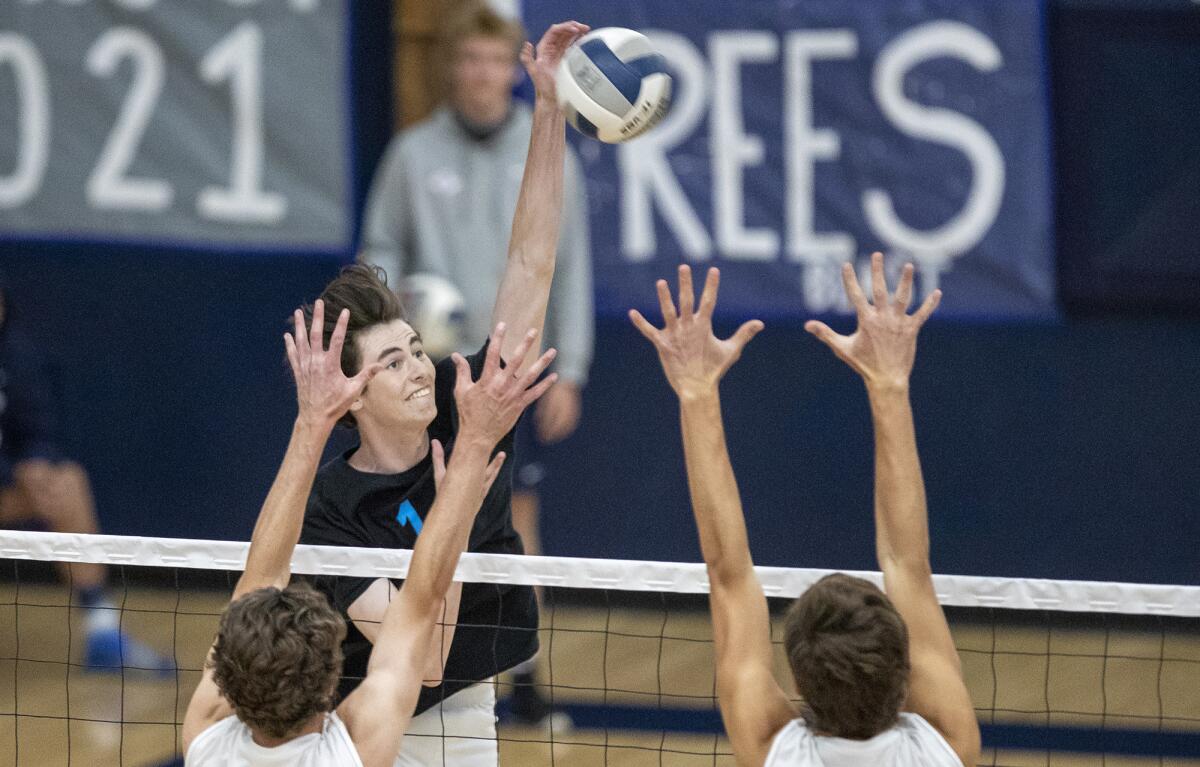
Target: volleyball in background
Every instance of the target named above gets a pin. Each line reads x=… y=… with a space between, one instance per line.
x=612 y=85
x=437 y=310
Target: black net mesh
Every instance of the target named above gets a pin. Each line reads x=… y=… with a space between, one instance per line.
x=629 y=675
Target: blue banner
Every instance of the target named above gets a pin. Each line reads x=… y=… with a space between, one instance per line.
x=806 y=134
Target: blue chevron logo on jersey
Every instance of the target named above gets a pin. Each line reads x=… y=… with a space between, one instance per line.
x=408 y=515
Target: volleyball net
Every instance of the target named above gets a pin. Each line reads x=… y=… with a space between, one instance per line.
x=1061 y=672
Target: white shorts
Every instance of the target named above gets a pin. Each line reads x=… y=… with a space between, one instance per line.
x=459 y=732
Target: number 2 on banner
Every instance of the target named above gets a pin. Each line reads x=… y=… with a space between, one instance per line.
x=109 y=187
x=238 y=58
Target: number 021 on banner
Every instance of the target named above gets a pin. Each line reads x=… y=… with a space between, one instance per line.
x=154 y=124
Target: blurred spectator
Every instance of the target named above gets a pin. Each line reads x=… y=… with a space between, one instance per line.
x=38 y=484
x=442 y=202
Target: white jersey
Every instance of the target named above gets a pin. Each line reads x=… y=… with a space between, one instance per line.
x=911 y=743
x=229 y=743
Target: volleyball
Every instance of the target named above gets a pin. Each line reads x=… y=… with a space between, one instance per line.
x=437 y=310
x=613 y=86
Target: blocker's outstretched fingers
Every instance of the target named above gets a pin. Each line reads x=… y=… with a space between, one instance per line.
x=537 y=368
x=289 y=345
x=687 y=294
x=708 y=299
x=904 y=289
x=522 y=351
x=300 y=333
x=853 y=289
x=462 y=370
x=928 y=306
x=491 y=361
x=533 y=394
x=439 y=461
x=745 y=333
x=644 y=327
x=364 y=376
x=318 y=327
x=665 y=303
x=338 y=337
x=879 y=288
x=493 y=470
x=822 y=331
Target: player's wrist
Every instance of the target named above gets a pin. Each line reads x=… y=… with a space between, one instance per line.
x=546 y=105
x=313 y=425
x=887 y=388
x=475 y=441
x=701 y=394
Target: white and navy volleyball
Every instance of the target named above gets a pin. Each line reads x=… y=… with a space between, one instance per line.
x=613 y=85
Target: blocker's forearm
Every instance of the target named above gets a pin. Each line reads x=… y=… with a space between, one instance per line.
x=901 y=517
x=277 y=530
x=713 y=487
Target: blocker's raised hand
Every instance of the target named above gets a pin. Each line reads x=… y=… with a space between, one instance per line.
x=323 y=391
x=488 y=408
x=884 y=344
x=693 y=359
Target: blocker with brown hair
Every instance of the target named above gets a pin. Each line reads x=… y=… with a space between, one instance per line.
x=879 y=672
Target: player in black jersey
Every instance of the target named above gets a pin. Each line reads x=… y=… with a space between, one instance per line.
x=266 y=696
x=378 y=493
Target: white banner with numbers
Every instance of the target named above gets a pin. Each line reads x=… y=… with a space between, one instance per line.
x=198 y=122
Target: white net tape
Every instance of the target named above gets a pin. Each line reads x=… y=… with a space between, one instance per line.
x=610 y=574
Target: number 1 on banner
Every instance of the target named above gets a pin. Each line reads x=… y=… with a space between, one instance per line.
x=238 y=58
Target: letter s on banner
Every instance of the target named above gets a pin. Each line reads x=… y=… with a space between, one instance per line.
x=935 y=247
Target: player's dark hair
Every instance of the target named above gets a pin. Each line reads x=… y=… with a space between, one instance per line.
x=278 y=657
x=363 y=289
x=848 y=650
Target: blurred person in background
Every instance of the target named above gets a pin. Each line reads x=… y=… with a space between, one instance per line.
x=442 y=203
x=39 y=484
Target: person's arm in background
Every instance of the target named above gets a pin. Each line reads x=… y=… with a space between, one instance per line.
x=882 y=350
x=753 y=705
x=525 y=286
x=324 y=393
x=571 y=314
x=377 y=712
x=386 y=230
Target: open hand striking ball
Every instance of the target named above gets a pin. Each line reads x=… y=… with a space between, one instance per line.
x=612 y=85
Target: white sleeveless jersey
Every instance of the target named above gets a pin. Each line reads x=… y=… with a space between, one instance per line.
x=911 y=743
x=228 y=743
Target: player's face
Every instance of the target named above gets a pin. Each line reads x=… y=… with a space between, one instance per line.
x=483 y=77
x=400 y=395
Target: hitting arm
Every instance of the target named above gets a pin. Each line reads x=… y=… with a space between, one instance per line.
x=882 y=350
x=753 y=705
x=525 y=286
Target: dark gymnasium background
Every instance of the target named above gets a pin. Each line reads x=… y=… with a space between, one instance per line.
x=1066 y=445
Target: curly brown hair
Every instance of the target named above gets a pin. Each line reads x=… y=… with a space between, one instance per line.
x=848 y=650
x=363 y=289
x=278 y=657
